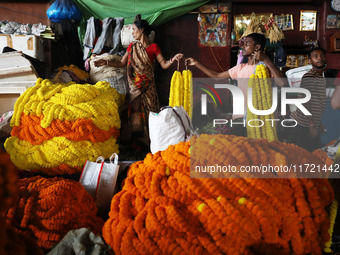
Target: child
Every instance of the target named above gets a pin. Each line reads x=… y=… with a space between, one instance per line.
x=308 y=130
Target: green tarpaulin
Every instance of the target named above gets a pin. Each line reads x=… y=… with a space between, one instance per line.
x=156 y=12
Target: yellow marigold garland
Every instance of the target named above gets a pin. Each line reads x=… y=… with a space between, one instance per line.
x=49 y=208
x=181 y=90
x=262 y=100
x=332 y=217
x=57 y=127
x=57 y=151
x=69 y=102
x=187 y=97
x=161 y=209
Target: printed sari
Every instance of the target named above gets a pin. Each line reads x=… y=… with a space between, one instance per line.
x=142 y=94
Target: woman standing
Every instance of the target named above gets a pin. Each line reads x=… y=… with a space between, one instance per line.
x=142 y=94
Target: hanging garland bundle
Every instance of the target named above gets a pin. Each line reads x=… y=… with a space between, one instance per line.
x=262 y=100
x=57 y=127
x=187 y=97
x=274 y=32
x=49 y=208
x=161 y=209
x=181 y=90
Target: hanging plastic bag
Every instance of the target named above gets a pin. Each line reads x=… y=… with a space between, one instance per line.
x=99 y=179
x=63 y=9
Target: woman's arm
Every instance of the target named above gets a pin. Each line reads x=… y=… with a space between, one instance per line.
x=335 y=101
x=206 y=70
x=113 y=63
x=165 y=64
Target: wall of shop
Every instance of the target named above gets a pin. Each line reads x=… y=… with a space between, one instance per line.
x=31 y=12
x=294 y=39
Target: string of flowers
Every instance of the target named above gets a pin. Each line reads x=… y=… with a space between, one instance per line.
x=69 y=102
x=57 y=127
x=181 y=90
x=81 y=129
x=332 y=217
x=8 y=182
x=262 y=100
x=187 y=97
x=163 y=209
x=324 y=157
x=10 y=240
x=8 y=192
x=57 y=151
x=49 y=208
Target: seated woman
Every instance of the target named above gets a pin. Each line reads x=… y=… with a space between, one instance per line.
x=142 y=95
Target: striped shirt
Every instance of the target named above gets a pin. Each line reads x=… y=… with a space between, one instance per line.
x=316 y=84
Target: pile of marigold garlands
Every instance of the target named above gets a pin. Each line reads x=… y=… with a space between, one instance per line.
x=161 y=209
x=48 y=208
x=57 y=127
x=12 y=241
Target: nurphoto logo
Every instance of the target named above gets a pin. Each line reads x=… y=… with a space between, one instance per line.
x=239 y=103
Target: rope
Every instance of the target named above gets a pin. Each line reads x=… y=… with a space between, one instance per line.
x=212 y=53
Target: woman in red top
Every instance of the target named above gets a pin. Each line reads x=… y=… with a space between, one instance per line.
x=142 y=95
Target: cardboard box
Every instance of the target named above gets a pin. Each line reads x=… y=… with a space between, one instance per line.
x=16 y=75
x=29 y=44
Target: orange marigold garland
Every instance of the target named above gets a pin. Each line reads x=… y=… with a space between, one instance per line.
x=57 y=127
x=161 y=209
x=324 y=157
x=49 y=208
x=8 y=193
x=11 y=242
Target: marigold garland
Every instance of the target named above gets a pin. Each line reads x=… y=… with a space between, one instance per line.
x=57 y=127
x=69 y=102
x=81 y=129
x=49 y=208
x=262 y=100
x=324 y=157
x=8 y=193
x=332 y=217
x=57 y=151
x=19 y=243
x=181 y=90
x=161 y=209
x=8 y=182
x=11 y=242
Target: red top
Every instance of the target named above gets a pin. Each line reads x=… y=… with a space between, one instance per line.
x=152 y=50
